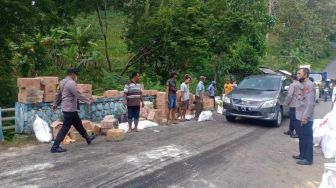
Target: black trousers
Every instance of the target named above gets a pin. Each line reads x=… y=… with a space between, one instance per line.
x=305 y=140
x=70 y=118
x=292 y=119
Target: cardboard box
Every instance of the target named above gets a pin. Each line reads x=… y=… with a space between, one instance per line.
x=85 y=89
x=87 y=124
x=77 y=137
x=30 y=95
x=56 y=126
x=109 y=123
x=49 y=80
x=161 y=96
x=48 y=97
x=113 y=94
x=146 y=92
x=115 y=135
x=144 y=112
x=208 y=103
x=155 y=116
x=31 y=83
x=49 y=88
x=153 y=92
x=103 y=131
x=96 y=128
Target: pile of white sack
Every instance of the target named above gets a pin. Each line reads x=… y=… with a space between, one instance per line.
x=324 y=134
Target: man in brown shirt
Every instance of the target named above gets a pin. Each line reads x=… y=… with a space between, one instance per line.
x=68 y=97
x=133 y=98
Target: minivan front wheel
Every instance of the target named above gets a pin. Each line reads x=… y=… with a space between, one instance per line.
x=278 y=120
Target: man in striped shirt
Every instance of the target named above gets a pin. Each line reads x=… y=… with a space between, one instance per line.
x=133 y=98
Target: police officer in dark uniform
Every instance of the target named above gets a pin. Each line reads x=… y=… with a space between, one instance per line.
x=68 y=97
x=305 y=115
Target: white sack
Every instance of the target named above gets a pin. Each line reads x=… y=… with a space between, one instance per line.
x=42 y=130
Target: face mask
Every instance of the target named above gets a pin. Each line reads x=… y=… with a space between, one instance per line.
x=302 y=79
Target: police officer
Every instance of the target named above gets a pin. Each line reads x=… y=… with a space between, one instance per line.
x=305 y=114
x=68 y=97
x=291 y=101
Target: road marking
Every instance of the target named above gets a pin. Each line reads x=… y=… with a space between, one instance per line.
x=29 y=168
x=161 y=153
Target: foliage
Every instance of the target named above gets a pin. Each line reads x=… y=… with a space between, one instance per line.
x=212 y=38
x=302 y=32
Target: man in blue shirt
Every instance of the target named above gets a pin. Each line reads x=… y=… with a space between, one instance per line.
x=211 y=92
x=199 y=94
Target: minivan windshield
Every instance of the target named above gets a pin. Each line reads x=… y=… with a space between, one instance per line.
x=261 y=83
x=316 y=77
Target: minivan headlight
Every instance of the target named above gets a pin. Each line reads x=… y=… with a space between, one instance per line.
x=269 y=104
x=227 y=100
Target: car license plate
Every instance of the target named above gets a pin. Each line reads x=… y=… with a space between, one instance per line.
x=242 y=108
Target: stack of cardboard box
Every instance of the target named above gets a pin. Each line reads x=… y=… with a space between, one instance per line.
x=149 y=92
x=108 y=124
x=208 y=103
x=37 y=90
x=29 y=90
x=113 y=94
x=49 y=86
x=161 y=103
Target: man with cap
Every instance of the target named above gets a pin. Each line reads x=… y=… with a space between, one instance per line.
x=293 y=95
x=68 y=97
x=199 y=94
x=305 y=116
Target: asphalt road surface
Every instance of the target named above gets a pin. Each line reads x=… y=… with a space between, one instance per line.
x=208 y=154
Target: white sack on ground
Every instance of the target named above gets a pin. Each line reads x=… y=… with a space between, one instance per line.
x=205 y=116
x=42 y=130
x=329 y=176
x=328 y=142
x=142 y=125
x=318 y=131
x=188 y=117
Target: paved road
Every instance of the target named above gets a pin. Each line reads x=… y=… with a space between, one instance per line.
x=261 y=158
x=331 y=69
x=209 y=154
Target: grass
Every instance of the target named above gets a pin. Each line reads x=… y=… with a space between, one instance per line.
x=117 y=47
x=17 y=140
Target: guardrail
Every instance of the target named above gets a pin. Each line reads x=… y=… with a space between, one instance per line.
x=5 y=119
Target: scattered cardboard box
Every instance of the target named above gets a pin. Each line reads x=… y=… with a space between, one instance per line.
x=115 y=135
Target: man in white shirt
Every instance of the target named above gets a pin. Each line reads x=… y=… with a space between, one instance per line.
x=185 y=96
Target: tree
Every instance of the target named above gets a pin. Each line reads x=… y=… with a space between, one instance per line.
x=168 y=36
x=303 y=30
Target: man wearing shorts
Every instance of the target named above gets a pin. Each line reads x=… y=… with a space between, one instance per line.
x=171 y=98
x=185 y=96
x=133 y=98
